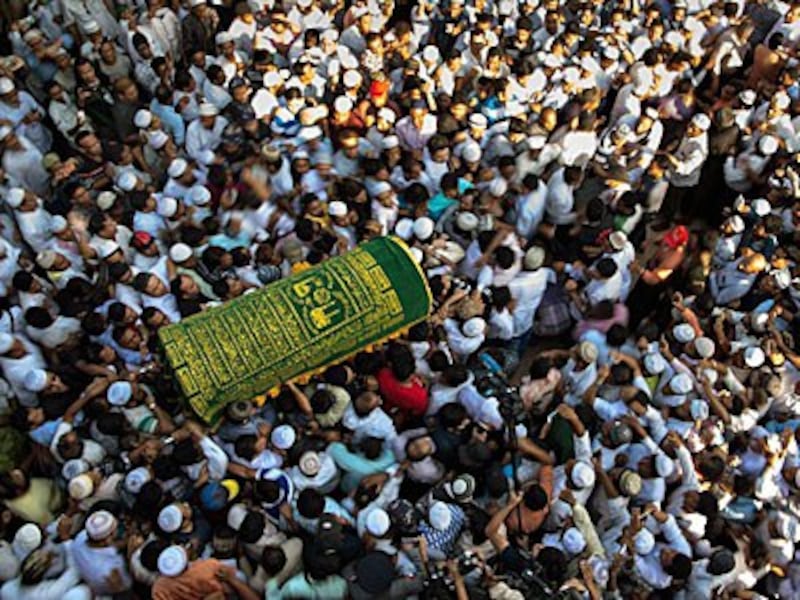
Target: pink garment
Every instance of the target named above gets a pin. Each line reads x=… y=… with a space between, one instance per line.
x=620 y=316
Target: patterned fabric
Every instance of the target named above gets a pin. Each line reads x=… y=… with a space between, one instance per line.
x=444 y=541
x=296 y=326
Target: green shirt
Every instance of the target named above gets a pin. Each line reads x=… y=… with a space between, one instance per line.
x=299 y=586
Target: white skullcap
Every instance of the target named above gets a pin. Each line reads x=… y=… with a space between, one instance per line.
x=27 y=539
x=351 y=79
x=6 y=85
x=417 y=254
x=381 y=188
x=157 y=139
x=91 y=26
x=664 y=465
x=617 y=240
x=474 y=327
x=699 y=409
x=551 y=61
x=126 y=181
x=644 y=542
x=705 y=347
x=404 y=229
x=571 y=74
x=180 y=252
x=582 y=475
x=105 y=200
x=439 y=516
x=654 y=363
x=35 y=380
x=135 y=479
x=573 y=541
x=329 y=34
x=310 y=463
x=342 y=104
x=431 y=54
x=312 y=132
x=6 y=342
x=236 y=514
x=100 y=525
x=683 y=333
x=105 y=248
x=768 y=145
x=199 y=195
x=701 y=121
x=761 y=207
x=378 y=522
x=498 y=187
x=467 y=221
x=283 y=437
x=208 y=110
x=172 y=561
x=781 y=100
x=390 y=141
x=170 y=518
x=783 y=279
x=588 y=351
x=754 y=357
x=142 y=118
x=119 y=393
x=673 y=38
x=272 y=78
x=471 y=152
x=536 y=142
x=337 y=208
x=423 y=228
x=681 y=383
x=534 y=258
x=387 y=114
x=611 y=52
x=223 y=37
x=80 y=487
x=748 y=97
x=15 y=196
x=478 y=121
x=58 y=224
x=46 y=258
x=74 y=467
x=166 y=206
x=736 y=223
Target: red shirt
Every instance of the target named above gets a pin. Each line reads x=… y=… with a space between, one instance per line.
x=410 y=397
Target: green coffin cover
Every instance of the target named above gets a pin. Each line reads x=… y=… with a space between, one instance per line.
x=296 y=326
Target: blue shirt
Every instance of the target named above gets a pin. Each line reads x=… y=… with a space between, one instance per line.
x=440 y=203
x=172 y=121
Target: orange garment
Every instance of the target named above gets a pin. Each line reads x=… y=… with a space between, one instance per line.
x=195 y=583
x=532 y=519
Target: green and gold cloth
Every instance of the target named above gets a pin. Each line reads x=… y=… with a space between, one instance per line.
x=296 y=326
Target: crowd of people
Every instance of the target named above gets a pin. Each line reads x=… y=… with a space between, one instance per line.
x=604 y=198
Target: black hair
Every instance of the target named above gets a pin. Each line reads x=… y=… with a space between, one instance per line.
x=273 y=560
x=680 y=568
x=252 y=527
x=535 y=497
x=310 y=503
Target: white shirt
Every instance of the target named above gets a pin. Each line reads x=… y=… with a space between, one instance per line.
x=376 y=424
x=530 y=211
x=560 y=200
x=692 y=153
x=201 y=142
x=528 y=288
